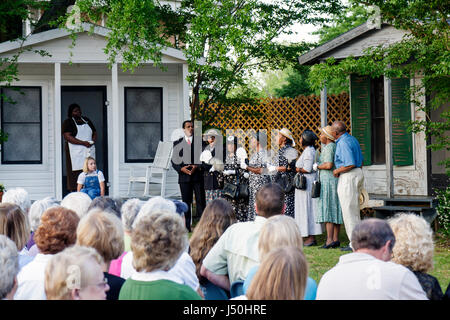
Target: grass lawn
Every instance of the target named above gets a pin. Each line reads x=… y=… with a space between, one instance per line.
x=322 y=260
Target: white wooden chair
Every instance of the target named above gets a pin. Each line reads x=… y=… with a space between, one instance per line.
x=160 y=166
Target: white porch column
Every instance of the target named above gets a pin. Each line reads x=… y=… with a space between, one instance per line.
x=57 y=126
x=185 y=94
x=388 y=137
x=114 y=178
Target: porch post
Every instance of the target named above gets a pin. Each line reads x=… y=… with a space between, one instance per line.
x=57 y=122
x=185 y=94
x=323 y=106
x=388 y=137
x=115 y=112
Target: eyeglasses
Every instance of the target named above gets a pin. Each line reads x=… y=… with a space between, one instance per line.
x=102 y=284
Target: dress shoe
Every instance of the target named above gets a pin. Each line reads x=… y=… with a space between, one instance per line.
x=346 y=249
x=335 y=244
x=326 y=246
x=314 y=243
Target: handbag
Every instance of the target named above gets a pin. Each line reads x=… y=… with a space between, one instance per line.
x=300 y=181
x=315 y=188
x=236 y=191
x=285 y=181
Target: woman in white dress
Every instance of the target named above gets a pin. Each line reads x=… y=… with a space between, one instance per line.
x=305 y=206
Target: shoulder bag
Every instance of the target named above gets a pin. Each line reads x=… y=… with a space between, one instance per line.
x=315 y=189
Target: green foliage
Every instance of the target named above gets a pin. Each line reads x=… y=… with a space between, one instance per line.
x=423 y=51
x=443 y=209
x=297 y=84
x=2 y=188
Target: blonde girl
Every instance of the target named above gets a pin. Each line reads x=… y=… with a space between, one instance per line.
x=91 y=181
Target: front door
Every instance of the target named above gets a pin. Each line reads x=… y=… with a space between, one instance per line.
x=92 y=102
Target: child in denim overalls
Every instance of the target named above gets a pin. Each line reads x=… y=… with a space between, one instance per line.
x=91 y=180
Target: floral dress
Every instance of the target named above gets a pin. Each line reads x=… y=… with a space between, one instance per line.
x=282 y=161
x=240 y=206
x=256 y=181
x=328 y=207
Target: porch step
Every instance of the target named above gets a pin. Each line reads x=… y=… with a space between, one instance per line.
x=387 y=211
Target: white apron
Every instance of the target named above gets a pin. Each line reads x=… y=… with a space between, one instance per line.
x=78 y=152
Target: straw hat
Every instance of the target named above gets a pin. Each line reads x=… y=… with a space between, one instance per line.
x=285 y=132
x=211 y=132
x=327 y=132
x=363 y=199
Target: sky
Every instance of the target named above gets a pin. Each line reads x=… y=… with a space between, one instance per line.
x=302 y=32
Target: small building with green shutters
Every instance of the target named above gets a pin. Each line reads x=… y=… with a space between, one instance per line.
x=413 y=166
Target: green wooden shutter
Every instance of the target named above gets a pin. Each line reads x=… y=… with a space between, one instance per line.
x=402 y=147
x=361 y=114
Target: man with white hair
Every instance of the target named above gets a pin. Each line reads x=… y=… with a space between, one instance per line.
x=9 y=266
x=78 y=202
x=18 y=196
x=184 y=268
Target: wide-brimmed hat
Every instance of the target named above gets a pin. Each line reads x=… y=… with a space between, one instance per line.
x=363 y=199
x=210 y=132
x=327 y=132
x=285 y=132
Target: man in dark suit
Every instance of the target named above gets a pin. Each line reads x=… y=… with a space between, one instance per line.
x=190 y=177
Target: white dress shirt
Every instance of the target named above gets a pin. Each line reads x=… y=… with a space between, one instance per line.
x=361 y=276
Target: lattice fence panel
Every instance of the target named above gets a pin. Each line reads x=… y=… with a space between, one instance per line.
x=296 y=114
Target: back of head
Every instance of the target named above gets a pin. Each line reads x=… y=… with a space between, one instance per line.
x=105 y=203
x=282 y=275
x=157 y=241
x=372 y=234
x=155 y=204
x=78 y=202
x=57 y=230
x=414 y=247
x=18 y=196
x=279 y=231
x=217 y=216
x=102 y=231
x=14 y=224
x=9 y=265
x=70 y=269
x=339 y=127
x=270 y=200
x=37 y=209
x=129 y=211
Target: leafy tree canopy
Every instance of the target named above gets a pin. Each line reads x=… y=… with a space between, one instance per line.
x=424 y=51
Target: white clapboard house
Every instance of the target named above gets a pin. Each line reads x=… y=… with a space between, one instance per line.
x=400 y=172
x=132 y=112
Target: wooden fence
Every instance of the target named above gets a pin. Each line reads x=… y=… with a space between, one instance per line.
x=296 y=114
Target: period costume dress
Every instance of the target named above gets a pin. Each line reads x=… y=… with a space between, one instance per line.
x=282 y=161
x=213 y=181
x=240 y=206
x=256 y=181
x=305 y=206
x=328 y=207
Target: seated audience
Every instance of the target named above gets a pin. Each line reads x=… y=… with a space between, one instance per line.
x=36 y=210
x=278 y=232
x=414 y=249
x=102 y=230
x=78 y=202
x=184 y=268
x=157 y=242
x=14 y=225
x=105 y=203
x=367 y=273
x=56 y=232
x=236 y=251
x=216 y=218
x=282 y=275
x=18 y=196
x=75 y=274
x=9 y=266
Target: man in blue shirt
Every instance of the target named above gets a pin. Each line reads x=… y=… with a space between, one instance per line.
x=348 y=160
